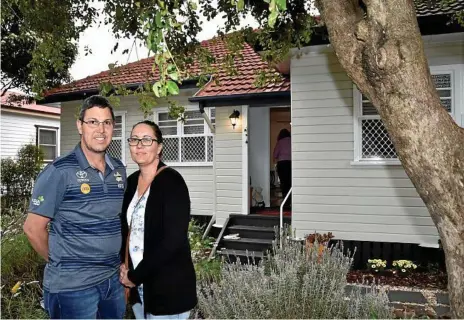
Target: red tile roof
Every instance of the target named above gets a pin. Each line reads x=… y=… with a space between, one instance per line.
x=11 y=100
x=139 y=71
x=247 y=69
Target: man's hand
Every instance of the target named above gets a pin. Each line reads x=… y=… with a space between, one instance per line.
x=123 y=277
x=35 y=228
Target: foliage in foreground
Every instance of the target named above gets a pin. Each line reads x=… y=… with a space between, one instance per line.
x=22 y=274
x=295 y=282
x=18 y=177
x=205 y=268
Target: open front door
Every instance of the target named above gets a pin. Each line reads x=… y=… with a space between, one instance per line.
x=280 y=118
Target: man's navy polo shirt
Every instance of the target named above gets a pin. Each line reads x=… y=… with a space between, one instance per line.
x=85 y=230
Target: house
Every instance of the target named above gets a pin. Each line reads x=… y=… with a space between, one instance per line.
x=24 y=122
x=345 y=174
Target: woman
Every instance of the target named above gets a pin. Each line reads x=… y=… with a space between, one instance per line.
x=155 y=217
x=283 y=157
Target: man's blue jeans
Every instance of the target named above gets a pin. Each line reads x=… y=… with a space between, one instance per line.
x=103 y=301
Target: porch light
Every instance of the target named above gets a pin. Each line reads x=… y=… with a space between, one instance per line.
x=234 y=118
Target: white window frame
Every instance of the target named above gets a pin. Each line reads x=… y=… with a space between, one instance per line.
x=56 y=145
x=122 y=138
x=457 y=113
x=180 y=134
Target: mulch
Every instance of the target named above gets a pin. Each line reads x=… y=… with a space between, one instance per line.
x=419 y=280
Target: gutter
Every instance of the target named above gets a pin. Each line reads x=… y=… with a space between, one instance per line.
x=244 y=96
x=82 y=94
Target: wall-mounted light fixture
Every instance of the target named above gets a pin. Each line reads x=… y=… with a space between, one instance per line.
x=234 y=118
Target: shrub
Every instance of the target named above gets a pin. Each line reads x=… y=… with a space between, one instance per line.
x=18 y=177
x=404 y=267
x=201 y=248
x=22 y=269
x=205 y=268
x=296 y=281
x=376 y=265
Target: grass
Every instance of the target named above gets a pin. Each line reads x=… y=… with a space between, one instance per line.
x=21 y=263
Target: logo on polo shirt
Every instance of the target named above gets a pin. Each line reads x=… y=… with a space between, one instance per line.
x=38 y=201
x=81 y=176
x=118 y=177
x=85 y=188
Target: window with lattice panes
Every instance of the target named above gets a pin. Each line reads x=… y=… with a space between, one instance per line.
x=371 y=138
x=117 y=147
x=190 y=141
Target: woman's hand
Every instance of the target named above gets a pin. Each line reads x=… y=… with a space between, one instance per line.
x=123 y=277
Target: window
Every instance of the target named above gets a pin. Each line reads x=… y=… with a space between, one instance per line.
x=47 y=140
x=189 y=142
x=116 y=148
x=372 y=143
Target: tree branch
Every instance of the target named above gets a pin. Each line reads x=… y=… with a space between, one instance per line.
x=6 y=87
x=341 y=19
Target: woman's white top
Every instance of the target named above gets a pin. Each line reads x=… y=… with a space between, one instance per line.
x=136 y=211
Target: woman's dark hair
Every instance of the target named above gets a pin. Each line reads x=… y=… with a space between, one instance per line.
x=154 y=126
x=284 y=133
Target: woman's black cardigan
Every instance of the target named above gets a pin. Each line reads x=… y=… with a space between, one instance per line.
x=166 y=270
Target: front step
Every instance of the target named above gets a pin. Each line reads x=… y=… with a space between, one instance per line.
x=250 y=244
x=255 y=232
x=257 y=220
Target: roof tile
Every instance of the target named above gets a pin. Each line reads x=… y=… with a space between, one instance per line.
x=138 y=72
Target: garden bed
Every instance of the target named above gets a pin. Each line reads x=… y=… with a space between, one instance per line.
x=436 y=280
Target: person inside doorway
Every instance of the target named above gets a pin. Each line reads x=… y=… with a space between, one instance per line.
x=283 y=159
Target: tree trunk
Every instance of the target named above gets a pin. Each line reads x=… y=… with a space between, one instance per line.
x=380 y=47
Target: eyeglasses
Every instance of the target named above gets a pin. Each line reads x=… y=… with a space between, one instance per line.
x=94 y=123
x=145 y=141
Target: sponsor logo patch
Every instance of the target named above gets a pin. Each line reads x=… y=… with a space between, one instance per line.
x=85 y=188
x=38 y=201
x=118 y=177
x=81 y=176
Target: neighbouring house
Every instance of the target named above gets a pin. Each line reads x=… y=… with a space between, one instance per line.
x=25 y=122
x=345 y=174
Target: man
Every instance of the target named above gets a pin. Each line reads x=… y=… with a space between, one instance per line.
x=81 y=194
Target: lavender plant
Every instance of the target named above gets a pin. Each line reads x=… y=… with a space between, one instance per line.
x=296 y=281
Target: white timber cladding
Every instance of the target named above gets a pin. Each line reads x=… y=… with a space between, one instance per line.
x=19 y=129
x=229 y=166
x=199 y=179
x=330 y=193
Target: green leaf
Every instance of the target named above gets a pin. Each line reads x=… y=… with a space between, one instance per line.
x=272 y=19
x=171 y=68
x=282 y=5
x=174 y=76
x=172 y=87
x=156 y=89
x=193 y=5
x=158 y=19
x=240 y=5
x=272 y=5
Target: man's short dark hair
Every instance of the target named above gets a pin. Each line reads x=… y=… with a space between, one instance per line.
x=95 y=101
